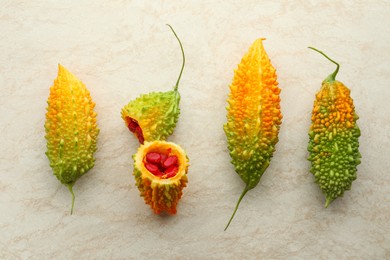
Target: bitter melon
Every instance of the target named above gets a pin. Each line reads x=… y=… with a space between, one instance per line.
x=253 y=117
x=71 y=129
x=154 y=116
x=333 y=144
x=160 y=170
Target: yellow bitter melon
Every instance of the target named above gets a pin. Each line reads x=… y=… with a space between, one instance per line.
x=71 y=129
x=333 y=144
x=253 y=117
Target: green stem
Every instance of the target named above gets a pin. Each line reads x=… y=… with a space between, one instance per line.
x=331 y=77
x=184 y=58
x=70 y=187
x=238 y=203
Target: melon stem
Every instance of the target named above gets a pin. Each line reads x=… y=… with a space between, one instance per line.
x=331 y=77
x=238 y=203
x=70 y=187
x=184 y=59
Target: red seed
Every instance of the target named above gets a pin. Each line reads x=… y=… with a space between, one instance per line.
x=153 y=157
x=163 y=158
x=132 y=125
x=153 y=169
x=171 y=171
x=140 y=136
x=170 y=161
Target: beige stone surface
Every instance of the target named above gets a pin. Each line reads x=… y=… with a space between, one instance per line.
x=121 y=49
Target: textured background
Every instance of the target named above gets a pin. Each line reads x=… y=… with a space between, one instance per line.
x=120 y=49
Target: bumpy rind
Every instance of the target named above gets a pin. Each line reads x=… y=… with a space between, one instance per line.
x=71 y=129
x=333 y=145
x=254 y=117
x=156 y=113
x=162 y=195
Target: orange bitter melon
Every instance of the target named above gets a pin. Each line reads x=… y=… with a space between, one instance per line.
x=333 y=144
x=253 y=117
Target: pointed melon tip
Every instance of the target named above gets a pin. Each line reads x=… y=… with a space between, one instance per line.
x=328 y=201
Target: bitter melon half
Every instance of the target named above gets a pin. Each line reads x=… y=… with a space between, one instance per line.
x=253 y=117
x=160 y=170
x=153 y=116
x=71 y=129
x=333 y=144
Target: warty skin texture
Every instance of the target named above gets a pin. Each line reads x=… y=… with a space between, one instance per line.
x=333 y=138
x=253 y=116
x=71 y=129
